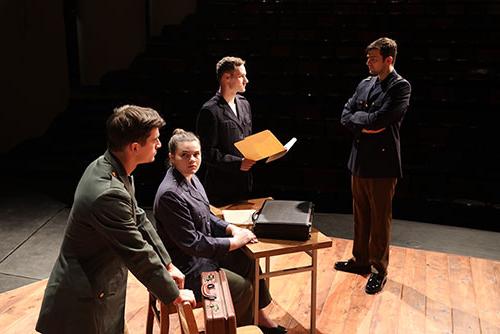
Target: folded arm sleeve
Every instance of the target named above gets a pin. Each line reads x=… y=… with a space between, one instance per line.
x=347 y=112
x=392 y=109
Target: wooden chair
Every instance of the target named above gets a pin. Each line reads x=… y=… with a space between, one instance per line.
x=161 y=313
x=189 y=326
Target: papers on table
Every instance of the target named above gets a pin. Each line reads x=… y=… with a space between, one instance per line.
x=238 y=217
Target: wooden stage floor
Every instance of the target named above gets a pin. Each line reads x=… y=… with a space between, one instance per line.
x=427 y=292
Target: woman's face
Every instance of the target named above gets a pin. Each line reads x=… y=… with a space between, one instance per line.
x=187 y=158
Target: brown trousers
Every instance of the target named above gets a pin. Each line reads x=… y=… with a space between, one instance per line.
x=372 y=209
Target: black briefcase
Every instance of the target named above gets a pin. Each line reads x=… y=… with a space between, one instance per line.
x=287 y=220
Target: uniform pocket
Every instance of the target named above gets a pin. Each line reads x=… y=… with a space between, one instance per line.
x=231 y=131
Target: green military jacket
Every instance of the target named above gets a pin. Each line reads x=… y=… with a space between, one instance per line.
x=107 y=235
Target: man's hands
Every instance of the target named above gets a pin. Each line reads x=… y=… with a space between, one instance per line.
x=240 y=237
x=246 y=164
x=176 y=274
x=185 y=296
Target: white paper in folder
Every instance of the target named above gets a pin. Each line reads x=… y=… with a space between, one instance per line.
x=287 y=147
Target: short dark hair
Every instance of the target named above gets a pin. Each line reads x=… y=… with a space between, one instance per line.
x=388 y=47
x=227 y=65
x=180 y=136
x=129 y=123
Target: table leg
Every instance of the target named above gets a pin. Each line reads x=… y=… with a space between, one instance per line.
x=268 y=269
x=256 y=293
x=314 y=276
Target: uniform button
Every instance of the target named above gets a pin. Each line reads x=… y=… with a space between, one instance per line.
x=101 y=295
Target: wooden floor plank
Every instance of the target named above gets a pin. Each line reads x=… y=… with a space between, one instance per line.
x=334 y=313
x=463 y=300
x=360 y=312
x=136 y=310
x=413 y=299
x=426 y=292
x=301 y=308
x=286 y=291
x=20 y=312
x=326 y=273
x=386 y=309
x=298 y=310
x=438 y=311
x=12 y=297
x=487 y=291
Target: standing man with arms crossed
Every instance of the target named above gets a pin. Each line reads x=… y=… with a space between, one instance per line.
x=374 y=115
x=107 y=235
x=223 y=120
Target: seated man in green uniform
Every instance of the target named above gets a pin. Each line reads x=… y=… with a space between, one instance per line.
x=107 y=235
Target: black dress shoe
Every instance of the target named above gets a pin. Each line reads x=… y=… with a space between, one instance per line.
x=351 y=266
x=375 y=283
x=273 y=330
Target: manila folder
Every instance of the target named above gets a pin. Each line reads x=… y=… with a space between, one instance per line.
x=259 y=146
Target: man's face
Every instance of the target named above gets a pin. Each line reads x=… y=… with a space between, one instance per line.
x=237 y=80
x=375 y=62
x=146 y=153
x=187 y=158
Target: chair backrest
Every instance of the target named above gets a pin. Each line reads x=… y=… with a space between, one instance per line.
x=160 y=312
x=186 y=318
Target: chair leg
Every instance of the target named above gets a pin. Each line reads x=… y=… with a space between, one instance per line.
x=164 y=319
x=150 y=318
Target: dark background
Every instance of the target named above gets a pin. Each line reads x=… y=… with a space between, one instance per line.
x=67 y=64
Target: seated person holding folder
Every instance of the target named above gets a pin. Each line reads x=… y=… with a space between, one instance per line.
x=197 y=240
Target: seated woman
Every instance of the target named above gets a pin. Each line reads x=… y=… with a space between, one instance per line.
x=197 y=240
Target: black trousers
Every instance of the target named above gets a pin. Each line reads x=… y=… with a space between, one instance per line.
x=372 y=209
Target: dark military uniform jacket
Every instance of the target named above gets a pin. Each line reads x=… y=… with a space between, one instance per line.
x=377 y=104
x=106 y=235
x=218 y=129
x=193 y=236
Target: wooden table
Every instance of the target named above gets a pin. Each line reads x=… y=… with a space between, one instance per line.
x=266 y=248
